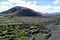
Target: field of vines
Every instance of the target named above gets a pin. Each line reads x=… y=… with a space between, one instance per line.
x=19 y=31
x=24 y=31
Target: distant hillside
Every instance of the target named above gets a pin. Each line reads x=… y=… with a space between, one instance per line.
x=21 y=11
x=55 y=14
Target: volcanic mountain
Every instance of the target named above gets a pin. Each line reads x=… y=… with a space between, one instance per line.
x=21 y=11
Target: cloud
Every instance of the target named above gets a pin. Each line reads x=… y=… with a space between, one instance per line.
x=5 y=5
x=56 y=2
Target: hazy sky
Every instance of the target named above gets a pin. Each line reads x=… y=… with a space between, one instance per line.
x=44 y=6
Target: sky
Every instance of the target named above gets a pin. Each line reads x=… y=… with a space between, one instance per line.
x=43 y=6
